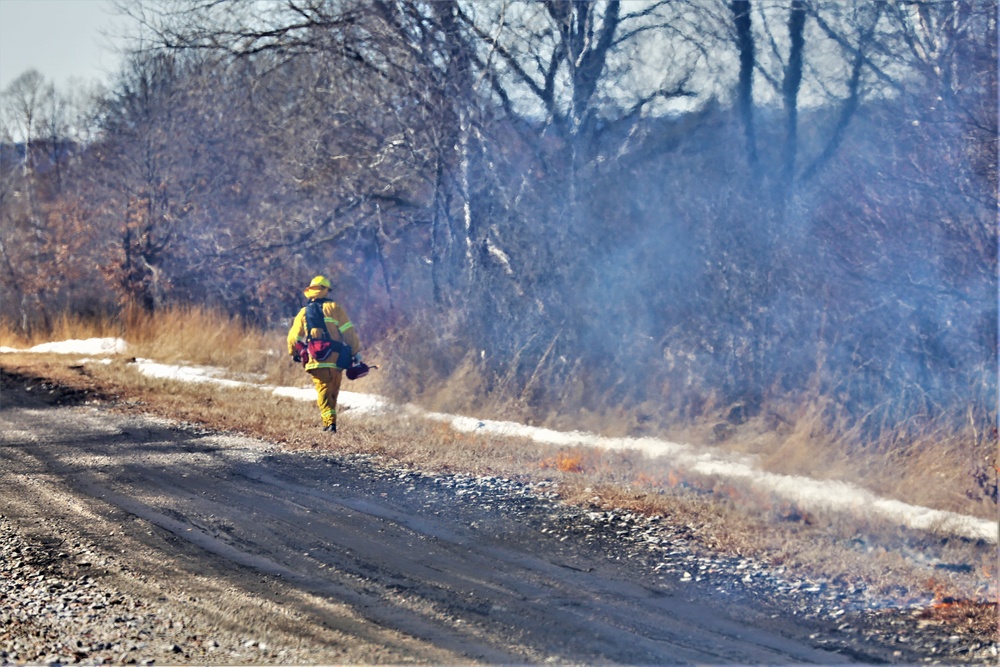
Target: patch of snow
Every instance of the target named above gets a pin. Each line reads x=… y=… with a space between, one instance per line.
x=835 y=496
x=193 y=374
x=90 y=346
x=367 y=403
x=296 y=393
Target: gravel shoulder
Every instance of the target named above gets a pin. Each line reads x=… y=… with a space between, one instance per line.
x=131 y=539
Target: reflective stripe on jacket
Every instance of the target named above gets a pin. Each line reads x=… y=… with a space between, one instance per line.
x=337 y=323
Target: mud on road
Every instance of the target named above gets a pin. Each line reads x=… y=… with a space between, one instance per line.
x=132 y=539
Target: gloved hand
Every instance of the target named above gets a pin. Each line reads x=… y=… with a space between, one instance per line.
x=296 y=358
x=357 y=359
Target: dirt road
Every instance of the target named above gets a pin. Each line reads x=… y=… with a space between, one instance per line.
x=318 y=558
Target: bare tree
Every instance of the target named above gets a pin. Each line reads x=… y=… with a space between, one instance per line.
x=24 y=103
x=742 y=20
x=140 y=158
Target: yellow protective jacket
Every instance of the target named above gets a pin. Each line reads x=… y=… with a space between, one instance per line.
x=337 y=323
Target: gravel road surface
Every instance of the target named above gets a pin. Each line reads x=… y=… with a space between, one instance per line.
x=130 y=539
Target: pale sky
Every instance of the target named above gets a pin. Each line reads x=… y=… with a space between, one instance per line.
x=62 y=39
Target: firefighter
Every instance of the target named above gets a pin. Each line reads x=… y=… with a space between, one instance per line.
x=324 y=339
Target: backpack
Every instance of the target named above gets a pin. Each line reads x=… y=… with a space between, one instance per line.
x=319 y=344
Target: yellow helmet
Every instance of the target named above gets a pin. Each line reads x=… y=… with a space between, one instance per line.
x=320 y=281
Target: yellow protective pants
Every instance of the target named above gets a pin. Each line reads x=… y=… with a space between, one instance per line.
x=327 y=383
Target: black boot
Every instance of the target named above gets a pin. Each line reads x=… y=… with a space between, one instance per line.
x=332 y=428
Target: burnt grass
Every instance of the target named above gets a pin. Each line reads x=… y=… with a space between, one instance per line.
x=53 y=392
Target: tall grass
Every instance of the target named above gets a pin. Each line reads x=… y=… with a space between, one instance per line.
x=62 y=327
x=937 y=464
x=191 y=334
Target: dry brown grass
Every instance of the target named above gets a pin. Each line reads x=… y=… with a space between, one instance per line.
x=932 y=467
x=62 y=327
x=198 y=335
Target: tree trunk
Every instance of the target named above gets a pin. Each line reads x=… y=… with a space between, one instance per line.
x=790 y=92
x=744 y=89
